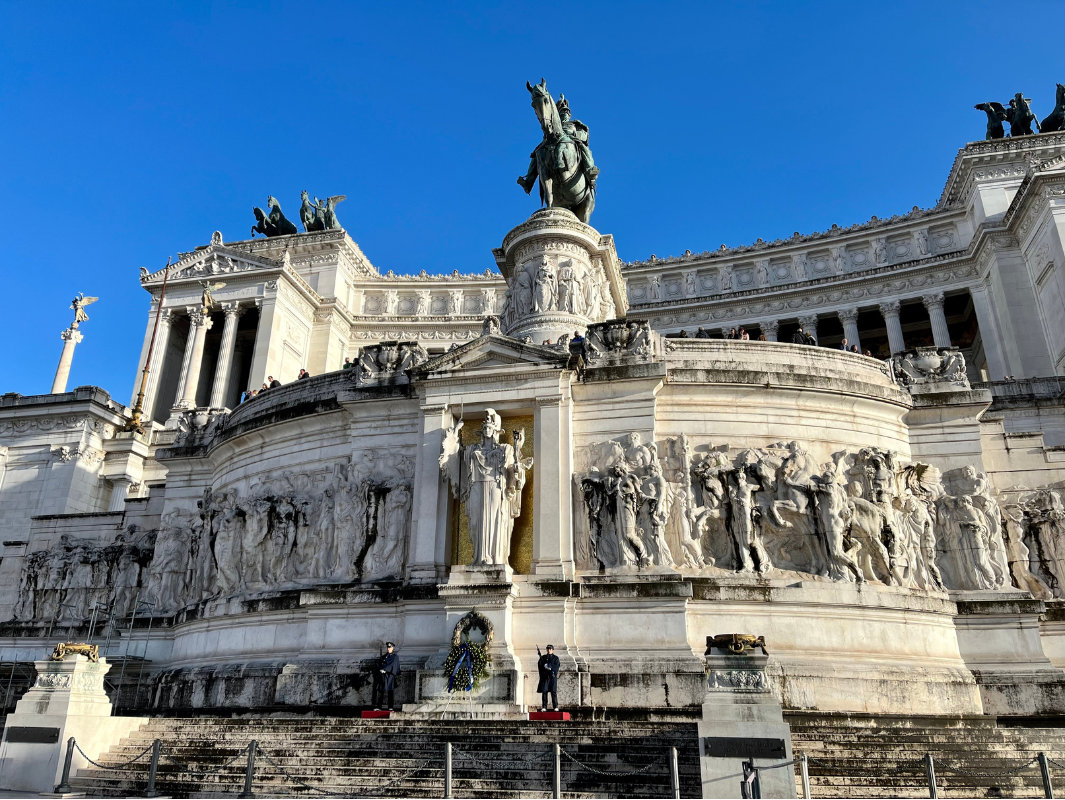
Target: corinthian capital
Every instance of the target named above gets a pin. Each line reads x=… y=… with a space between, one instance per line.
x=848 y=315
x=890 y=308
x=934 y=300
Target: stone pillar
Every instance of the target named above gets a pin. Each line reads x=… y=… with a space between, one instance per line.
x=849 y=318
x=118 y=494
x=809 y=325
x=224 y=368
x=552 y=462
x=890 y=310
x=67 y=699
x=770 y=328
x=200 y=323
x=994 y=352
x=934 y=303
x=268 y=318
x=155 y=369
x=428 y=554
x=71 y=337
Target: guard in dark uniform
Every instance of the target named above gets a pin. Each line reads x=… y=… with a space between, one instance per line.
x=384 y=679
x=548 y=666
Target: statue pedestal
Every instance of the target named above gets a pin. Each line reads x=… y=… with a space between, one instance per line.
x=489 y=591
x=562 y=276
x=742 y=720
x=67 y=699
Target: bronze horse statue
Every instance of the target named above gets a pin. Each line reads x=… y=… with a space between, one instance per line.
x=561 y=161
x=1020 y=116
x=1056 y=120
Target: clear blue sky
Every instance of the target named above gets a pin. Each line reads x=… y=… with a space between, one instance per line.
x=131 y=131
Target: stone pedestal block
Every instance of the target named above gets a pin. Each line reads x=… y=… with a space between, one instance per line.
x=67 y=700
x=742 y=721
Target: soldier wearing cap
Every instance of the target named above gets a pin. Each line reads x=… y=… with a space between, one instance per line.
x=548 y=666
x=385 y=677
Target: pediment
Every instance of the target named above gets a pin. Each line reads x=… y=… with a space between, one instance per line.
x=495 y=350
x=215 y=259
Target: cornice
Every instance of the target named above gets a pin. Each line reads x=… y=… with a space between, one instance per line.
x=994 y=151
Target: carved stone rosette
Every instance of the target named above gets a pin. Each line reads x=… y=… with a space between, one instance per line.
x=561 y=274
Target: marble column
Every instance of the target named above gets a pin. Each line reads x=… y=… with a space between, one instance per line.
x=770 y=328
x=224 y=368
x=155 y=369
x=809 y=325
x=896 y=341
x=71 y=337
x=199 y=324
x=934 y=303
x=849 y=318
x=118 y=494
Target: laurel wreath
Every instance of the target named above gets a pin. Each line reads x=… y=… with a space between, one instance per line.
x=469 y=678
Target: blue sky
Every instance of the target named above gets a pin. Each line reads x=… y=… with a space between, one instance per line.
x=132 y=131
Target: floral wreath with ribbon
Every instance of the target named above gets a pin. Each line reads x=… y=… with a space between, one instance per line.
x=467 y=662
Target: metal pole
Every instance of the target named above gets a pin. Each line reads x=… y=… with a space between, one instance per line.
x=51 y=623
x=557 y=786
x=10 y=680
x=249 y=773
x=64 y=784
x=930 y=767
x=149 y=790
x=125 y=658
x=674 y=773
x=140 y=672
x=804 y=762
x=447 y=769
x=1044 y=769
x=110 y=627
x=92 y=624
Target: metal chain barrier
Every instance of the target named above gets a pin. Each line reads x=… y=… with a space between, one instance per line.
x=375 y=792
x=112 y=767
x=845 y=772
x=488 y=763
x=590 y=768
x=1055 y=763
x=187 y=768
x=962 y=771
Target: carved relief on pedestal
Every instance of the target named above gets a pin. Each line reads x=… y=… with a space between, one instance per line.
x=387 y=362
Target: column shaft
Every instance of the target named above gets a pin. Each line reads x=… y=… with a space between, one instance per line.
x=849 y=318
x=940 y=333
x=118 y=494
x=71 y=336
x=428 y=539
x=155 y=369
x=809 y=325
x=224 y=367
x=896 y=341
x=201 y=323
x=770 y=328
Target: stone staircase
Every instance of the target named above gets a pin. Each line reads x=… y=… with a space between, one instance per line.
x=877 y=756
x=394 y=758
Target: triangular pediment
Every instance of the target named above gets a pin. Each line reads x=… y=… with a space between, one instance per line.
x=495 y=350
x=214 y=259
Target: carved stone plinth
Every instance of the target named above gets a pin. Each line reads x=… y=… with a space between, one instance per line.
x=742 y=720
x=562 y=275
x=489 y=591
x=67 y=699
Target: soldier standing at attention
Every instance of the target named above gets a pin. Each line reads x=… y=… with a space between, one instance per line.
x=548 y=666
x=385 y=677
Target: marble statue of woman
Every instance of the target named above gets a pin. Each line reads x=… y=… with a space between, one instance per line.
x=545 y=288
x=488 y=477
